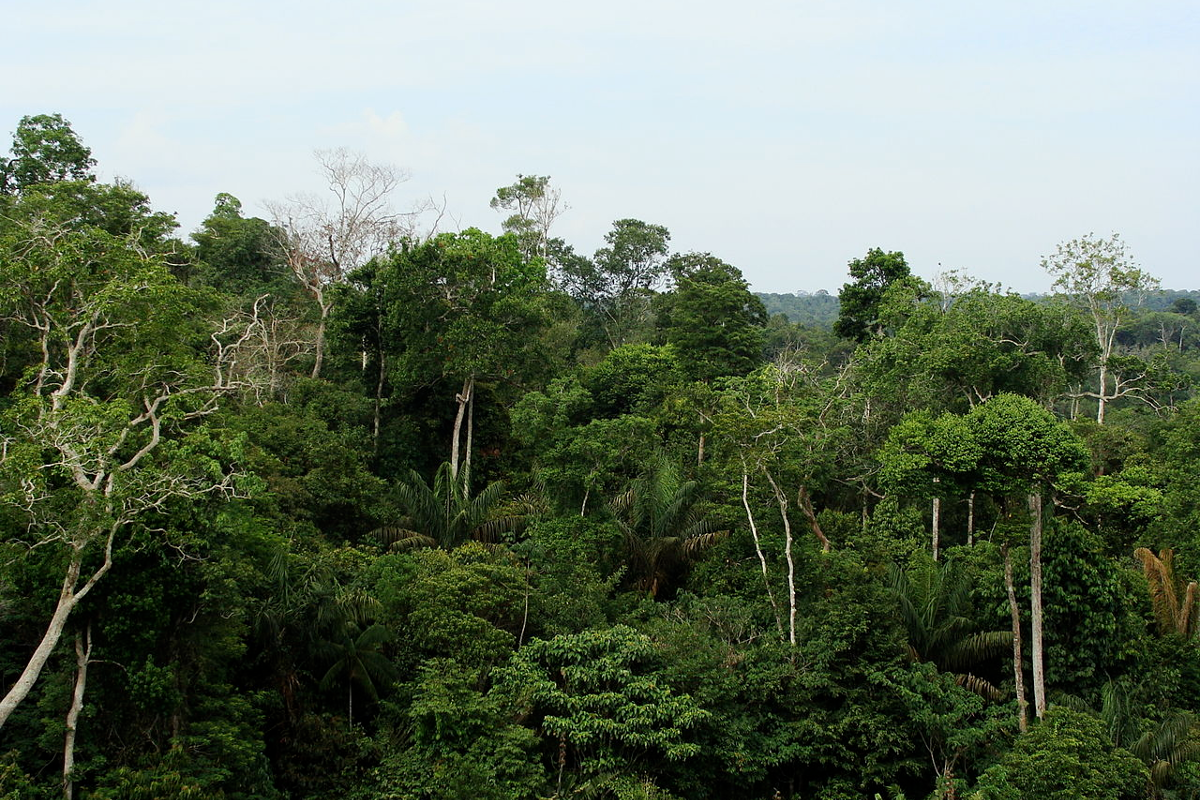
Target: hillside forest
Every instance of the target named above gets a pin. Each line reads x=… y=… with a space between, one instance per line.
x=339 y=504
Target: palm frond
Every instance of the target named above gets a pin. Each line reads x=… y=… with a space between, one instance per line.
x=979 y=686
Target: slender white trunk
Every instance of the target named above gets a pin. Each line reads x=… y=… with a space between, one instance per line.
x=781 y=499
x=68 y=598
x=83 y=656
x=937 y=517
x=462 y=398
x=320 y=343
x=971 y=520
x=1018 y=669
x=762 y=559
x=1103 y=393
x=466 y=481
x=1035 y=602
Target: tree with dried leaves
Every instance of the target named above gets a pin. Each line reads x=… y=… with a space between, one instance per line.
x=1174 y=602
x=325 y=237
x=534 y=205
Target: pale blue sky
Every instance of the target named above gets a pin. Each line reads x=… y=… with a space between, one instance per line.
x=784 y=137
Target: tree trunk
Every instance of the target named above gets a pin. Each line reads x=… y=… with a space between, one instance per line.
x=1035 y=602
x=781 y=499
x=1018 y=668
x=83 y=656
x=379 y=381
x=1102 y=394
x=937 y=518
x=971 y=519
x=466 y=479
x=68 y=598
x=762 y=559
x=320 y=343
x=809 y=514
x=462 y=398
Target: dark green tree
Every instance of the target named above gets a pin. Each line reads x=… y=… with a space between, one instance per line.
x=860 y=300
x=45 y=150
x=711 y=318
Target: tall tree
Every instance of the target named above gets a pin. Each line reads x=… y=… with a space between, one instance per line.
x=1025 y=450
x=860 y=300
x=324 y=238
x=1101 y=277
x=45 y=150
x=463 y=308
x=114 y=380
x=534 y=205
x=616 y=285
x=711 y=318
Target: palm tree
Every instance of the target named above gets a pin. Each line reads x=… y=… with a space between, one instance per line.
x=1174 y=604
x=1163 y=744
x=445 y=514
x=934 y=600
x=356 y=659
x=663 y=524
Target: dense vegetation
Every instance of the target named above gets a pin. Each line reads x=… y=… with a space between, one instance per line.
x=332 y=506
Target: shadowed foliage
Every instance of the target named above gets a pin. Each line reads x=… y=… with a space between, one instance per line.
x=933 y=599
x=664 y=526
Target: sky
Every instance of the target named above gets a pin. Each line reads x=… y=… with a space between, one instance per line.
x=787 y=138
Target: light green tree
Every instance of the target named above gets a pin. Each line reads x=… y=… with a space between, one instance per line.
x=1101 y=277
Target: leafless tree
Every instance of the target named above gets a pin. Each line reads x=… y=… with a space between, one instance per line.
x=325 y=237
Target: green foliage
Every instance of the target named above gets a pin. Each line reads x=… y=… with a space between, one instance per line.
x=45 y=150
x=598 y=699
x=664 y=527
x=467 y=604
x=860 y=301
x=1067 y=755
x=711 y=319
x=1094 y=621
x=446 y=514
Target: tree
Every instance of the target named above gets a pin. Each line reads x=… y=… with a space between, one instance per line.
x=858 y=318
x=239 y=255
x=1066 y=756
x=463 y=308
x=535 y=205
x=446 y=514
x=97 y=437
x=664 y=526
x=594 y=693
x=1025 y=450
x=324 y=240
x=934 y=604
x=711 y=318
x=616 y=285
x=1175 y=605
x=1101 y=277
x=356 y=659
x=45 y=150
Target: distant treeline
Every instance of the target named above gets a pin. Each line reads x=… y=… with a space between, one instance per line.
x=819 y=309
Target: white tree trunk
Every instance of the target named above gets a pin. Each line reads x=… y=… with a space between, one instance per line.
x=1018 y=669
x=762 y=559
x=83 y=656
x=781 y=499
x=68 y=598
x=462 y=398
x=1035 y=603
x=320 y=343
